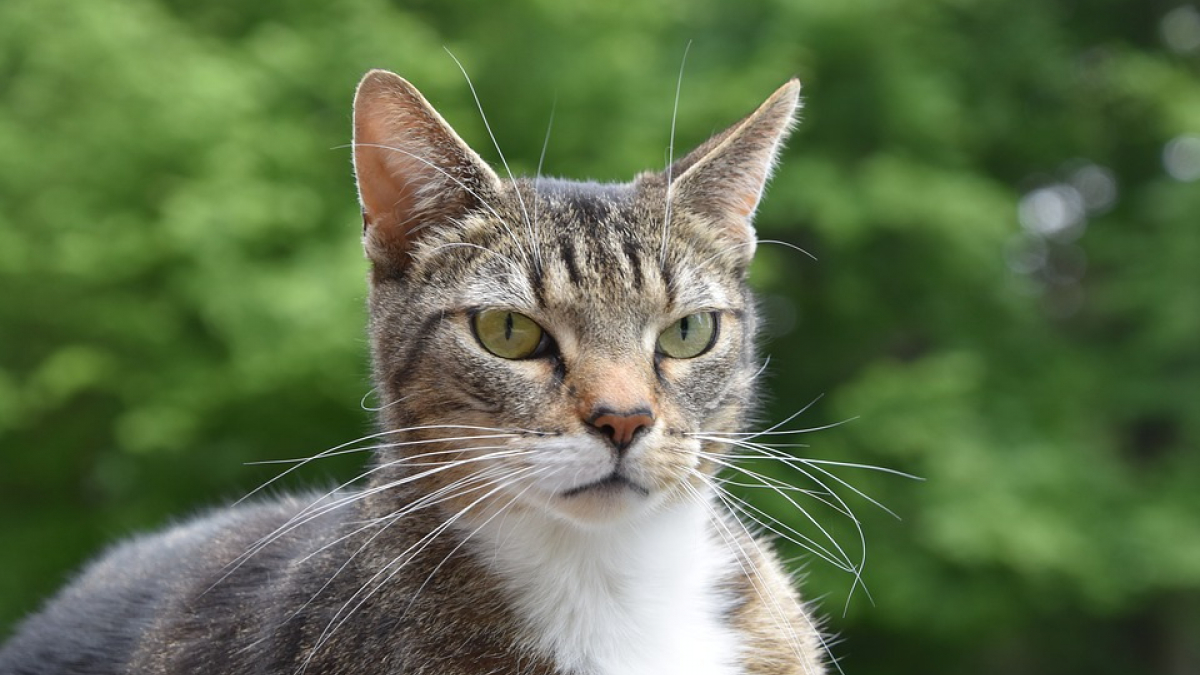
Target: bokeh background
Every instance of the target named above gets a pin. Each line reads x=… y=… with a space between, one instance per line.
x=1003 y=195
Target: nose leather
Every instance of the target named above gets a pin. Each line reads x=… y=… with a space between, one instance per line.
x=621 y=427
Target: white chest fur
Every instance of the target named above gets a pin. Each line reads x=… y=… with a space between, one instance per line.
x=635 y=599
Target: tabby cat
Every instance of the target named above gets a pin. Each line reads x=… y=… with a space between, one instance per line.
x=559 y=366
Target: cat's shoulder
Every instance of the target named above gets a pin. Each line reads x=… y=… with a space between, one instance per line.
x=115 y=598
x=222 y=531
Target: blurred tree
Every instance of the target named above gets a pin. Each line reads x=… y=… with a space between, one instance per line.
x=1002 y=197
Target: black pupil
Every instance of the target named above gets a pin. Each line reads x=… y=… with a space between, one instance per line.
x=683 y=328
x=508 y=326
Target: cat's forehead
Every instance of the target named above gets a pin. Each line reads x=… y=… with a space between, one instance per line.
x=593 y=250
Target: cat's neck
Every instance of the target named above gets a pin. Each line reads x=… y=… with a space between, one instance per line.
x=643 y=596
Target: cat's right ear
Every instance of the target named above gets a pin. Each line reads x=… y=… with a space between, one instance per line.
x=413 y=171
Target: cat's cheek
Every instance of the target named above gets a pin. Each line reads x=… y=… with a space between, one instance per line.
x=698 y=384
x=663 y=462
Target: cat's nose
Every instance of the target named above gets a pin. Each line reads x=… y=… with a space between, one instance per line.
x=621 y=427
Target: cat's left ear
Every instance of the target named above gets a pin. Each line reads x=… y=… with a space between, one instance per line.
x=721 y=182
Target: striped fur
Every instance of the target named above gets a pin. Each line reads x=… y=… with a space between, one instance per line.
x=499 y=527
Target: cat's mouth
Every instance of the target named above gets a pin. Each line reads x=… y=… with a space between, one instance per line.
x=612 y=483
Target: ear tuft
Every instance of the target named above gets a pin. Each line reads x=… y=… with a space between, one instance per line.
x=722 y=181
x=412 y=170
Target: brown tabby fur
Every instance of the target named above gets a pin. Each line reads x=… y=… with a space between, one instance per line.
x=265 y=588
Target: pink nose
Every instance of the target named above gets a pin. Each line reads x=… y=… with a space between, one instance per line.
x=621 y=428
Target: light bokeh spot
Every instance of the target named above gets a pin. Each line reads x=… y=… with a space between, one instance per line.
x=1181 y=158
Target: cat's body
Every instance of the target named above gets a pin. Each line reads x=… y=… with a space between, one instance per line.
x=558 y=363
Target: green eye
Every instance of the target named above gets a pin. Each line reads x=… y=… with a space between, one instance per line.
x=507 y=334
x=689 y=337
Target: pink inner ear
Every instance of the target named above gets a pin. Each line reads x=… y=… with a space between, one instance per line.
x=382 y=173
x=387 y=194
x=412 y=169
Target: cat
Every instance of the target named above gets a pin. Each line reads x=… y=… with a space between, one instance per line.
x=563 y=367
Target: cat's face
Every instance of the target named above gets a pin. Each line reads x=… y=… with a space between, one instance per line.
x=570 y=339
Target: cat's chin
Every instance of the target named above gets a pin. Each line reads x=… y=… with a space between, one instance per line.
x=611 y=500
x=614 y=483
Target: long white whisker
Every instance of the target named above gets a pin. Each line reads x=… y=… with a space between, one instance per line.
x=487 y=125
x=799 y=464
x=857 y=524
x=362 y=403
x=868 y=467
x=770 y=483
x=467 y=538
x=434 y=498
x=788 y=245
x=313 y=510
x=761 y=369
x=662 y=255
x=542 y=158
x=404 y=558
x=752 y=573
x=316 y=509
x=382 y=446
x=748 y=435
x=769 y=430
x=378 y=434
x=796 y=537
x=331 y=627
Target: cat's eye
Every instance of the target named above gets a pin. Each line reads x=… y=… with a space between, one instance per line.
x=689 y=337
x=508 y=335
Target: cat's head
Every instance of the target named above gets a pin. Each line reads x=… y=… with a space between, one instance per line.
x=556 y=345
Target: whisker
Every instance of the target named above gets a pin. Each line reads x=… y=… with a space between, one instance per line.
x=787 y=244
x=855 y=490
x=404 y=558
x=761 y=369
x=502 y=451
x=467 y=538
x=799 y=465
x=769 y=430
x=868 y=467
x=381 y=446
x=747 y=435
x=742 y=558
x=720 y=252
x=765 y=452
x=380 y=434
x=363 y=402
x=817 y=495
x=857 y=523
x=434 y=498
x=542 y=158
x=316 y=509
x=487 y=125
x=769 y=598
x=662 y=255
x=791 y=462
x=419 y=546
x=796 y=537
x=775 y=483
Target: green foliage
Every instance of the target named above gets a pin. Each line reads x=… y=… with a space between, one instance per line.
x=181 y=286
